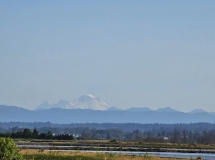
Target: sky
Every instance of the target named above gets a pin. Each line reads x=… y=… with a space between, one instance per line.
x=138 y=53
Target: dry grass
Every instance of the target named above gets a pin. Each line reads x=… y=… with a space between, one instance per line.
x=89 y=155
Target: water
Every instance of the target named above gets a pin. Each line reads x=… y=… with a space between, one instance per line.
x=204 y=156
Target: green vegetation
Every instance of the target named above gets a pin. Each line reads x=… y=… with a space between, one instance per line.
x=27 y=133
x=8 y=150
x=196 y=133
x=199 y=158
x=52 y=155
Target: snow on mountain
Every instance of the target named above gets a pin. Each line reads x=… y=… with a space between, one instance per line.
x=89 y=102
x=62 y=104
x=84 y=102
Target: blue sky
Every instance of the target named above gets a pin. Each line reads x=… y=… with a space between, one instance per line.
x=128 y=53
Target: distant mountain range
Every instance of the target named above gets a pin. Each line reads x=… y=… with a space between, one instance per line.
x=58 y=115
x=89 y=109
x=144 y=109
x=197 y=111
x=91 y=102
x=84 y=102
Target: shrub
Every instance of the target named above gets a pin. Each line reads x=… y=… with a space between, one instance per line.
x=8 y=150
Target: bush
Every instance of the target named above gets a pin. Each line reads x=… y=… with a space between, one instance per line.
x=8 y=150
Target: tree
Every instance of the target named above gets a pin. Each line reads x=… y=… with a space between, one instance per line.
x=27 y=133
x=49 y=135
x=8 y=150
x=35 y=133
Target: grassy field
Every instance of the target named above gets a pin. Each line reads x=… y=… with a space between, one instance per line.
x=56 y=155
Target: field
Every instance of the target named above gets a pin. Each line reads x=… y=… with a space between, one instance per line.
x=101 y=145
x=56 y=155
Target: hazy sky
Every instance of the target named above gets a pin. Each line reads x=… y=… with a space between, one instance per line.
x=128 y=53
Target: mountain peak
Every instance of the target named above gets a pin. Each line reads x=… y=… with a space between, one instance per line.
x=86 y=97
x=89 y=95
x=61 y=104
x=166 y=109
x=44 y=105
x=86 y=101
x=89 y=101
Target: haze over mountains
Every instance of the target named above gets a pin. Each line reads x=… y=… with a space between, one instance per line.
x=89 y=109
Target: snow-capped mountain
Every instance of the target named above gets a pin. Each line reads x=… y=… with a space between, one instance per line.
x=89 y=102
x=84 y=102
x=61 y=104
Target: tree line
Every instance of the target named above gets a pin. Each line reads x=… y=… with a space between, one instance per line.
x=163 y=135
x=28 y=133
x=122 y=126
